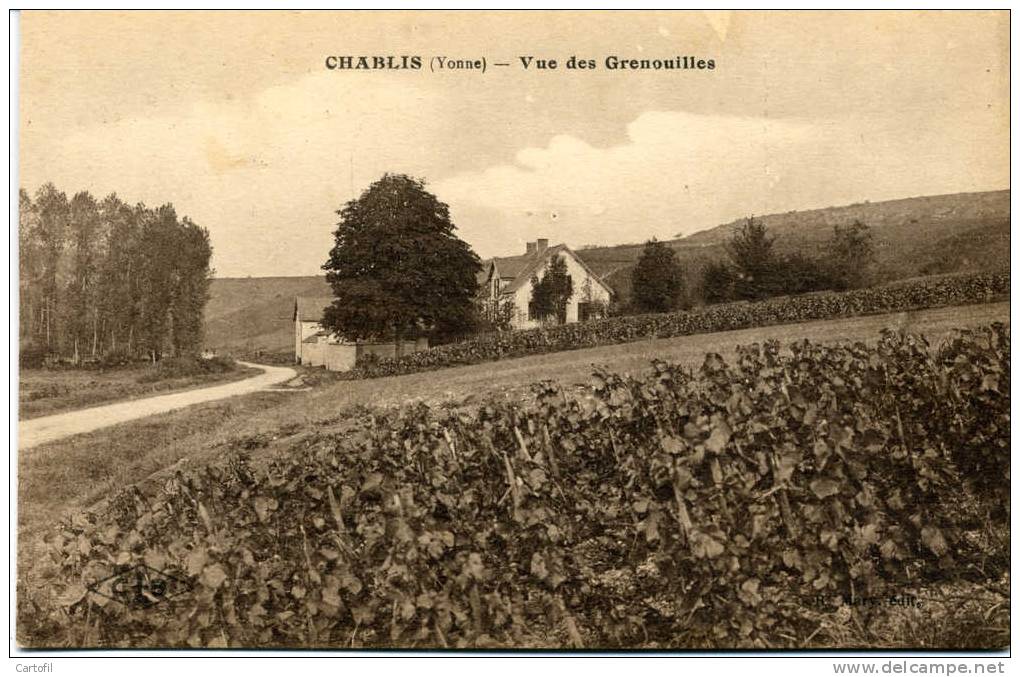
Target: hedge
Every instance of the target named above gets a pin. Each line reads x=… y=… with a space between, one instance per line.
x=913 y=294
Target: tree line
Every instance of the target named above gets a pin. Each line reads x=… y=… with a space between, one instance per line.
x=104 y=279
x=753 y=269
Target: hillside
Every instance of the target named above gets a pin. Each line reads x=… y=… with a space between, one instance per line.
x=909 y=220
x=982 y=248
x=246 y=313
x=962 y=232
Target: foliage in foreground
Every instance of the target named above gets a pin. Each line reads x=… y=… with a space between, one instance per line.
x=913 y=294
x=718 y=508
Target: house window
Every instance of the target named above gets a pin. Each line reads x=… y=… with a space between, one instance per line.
x=531 y=311
x=585 y=311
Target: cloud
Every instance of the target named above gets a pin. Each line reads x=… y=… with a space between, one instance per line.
x=680 y=172
x=670 y=176
x=264 y=173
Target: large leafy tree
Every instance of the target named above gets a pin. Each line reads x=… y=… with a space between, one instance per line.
x=397 y=268
x=158 y=249
x=657 y=279
x=191 y=280
x=121 y=272
x=550 y=294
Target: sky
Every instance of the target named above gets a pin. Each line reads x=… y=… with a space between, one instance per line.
x=234 y=118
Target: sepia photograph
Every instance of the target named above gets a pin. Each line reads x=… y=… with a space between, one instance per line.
x=651 y=332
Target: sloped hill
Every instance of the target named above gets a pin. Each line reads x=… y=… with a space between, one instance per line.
x=909 y=220
x=983 y=248
x=961 y=232
x=245 y=313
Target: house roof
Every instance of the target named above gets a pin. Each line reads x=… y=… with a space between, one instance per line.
x=311 y=308
x=528 y=265
x=521 y=268
x=510 y=267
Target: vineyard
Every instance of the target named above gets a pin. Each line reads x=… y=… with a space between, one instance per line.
x=931 y=292
x=730 y=506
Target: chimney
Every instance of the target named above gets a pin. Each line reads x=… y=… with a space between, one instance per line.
x=530 y=248
x=541 y=245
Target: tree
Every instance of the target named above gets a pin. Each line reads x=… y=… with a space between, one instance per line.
x=799 y=274
x=397 y=269
x=551 y=293
x=657 y=280
x=120 y=274
x=851 y=255
x=86 y=242
x=191 y=287
x=717 y=282
x=157 y=253
x=30 y=272
x=173 y=283
x=50 y=232
x=494 y=313
x=754 y=261
x=102 y=277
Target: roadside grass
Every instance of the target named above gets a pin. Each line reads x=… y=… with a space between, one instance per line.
x=74 y=472
x=42 y=392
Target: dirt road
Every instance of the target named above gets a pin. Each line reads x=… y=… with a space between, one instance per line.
x=36 y=431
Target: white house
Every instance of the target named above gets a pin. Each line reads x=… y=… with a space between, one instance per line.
x=509 y=278
x=316 y=347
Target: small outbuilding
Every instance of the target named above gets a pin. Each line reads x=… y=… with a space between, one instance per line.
x=314 y=346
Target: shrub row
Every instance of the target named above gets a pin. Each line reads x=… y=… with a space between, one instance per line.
x=711 y=508
x=922 y=293
x=179 y=367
